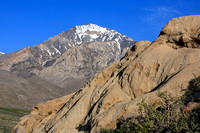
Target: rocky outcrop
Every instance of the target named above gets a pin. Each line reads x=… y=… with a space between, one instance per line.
x=42 y=113
x=184 y=35
x=146 y=68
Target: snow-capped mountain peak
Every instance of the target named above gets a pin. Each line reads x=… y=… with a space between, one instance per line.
x=1 y=53
x=90 y=27
x=89 y=33
x=81 y=35
x=94 y=33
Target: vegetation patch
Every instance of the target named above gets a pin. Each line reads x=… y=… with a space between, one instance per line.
x=79 y=126
x=9 y=117
x=168 y=41
x=50 y=112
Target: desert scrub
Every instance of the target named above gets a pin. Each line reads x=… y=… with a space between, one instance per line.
x=193 y=91
x=79 y=126
x=50 y=112
x=9 y=117
x=168 y=41
x=166 y=118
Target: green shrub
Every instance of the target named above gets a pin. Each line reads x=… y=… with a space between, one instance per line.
x=79 y=126
x=166 y=118
x=168 y=41
x=50 y=112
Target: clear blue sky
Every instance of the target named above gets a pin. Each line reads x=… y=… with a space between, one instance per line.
x=29 y=22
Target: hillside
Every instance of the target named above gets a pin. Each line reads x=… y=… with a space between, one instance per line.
x=20 y=92
x=9 y=117
x=167 y=64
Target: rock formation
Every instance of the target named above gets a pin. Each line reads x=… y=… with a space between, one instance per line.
x=167 y=64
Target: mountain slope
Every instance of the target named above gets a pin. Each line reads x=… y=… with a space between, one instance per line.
x=19 y=92
x=9 y=117
x=167 y=64
x=77 y=65
x=55 y=59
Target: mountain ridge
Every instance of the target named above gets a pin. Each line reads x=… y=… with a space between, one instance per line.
x=68 y=60
x=57 y=45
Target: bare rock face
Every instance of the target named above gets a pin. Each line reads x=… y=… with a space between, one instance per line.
x=184 y=35
x=145 y=69
x=77 y=65
x=20 y=129
x=42 y=113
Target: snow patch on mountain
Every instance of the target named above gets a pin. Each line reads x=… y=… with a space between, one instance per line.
x=94 y=36
x=90 y=27
x=78 y=35
x=92 y=33
x=1 y=53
